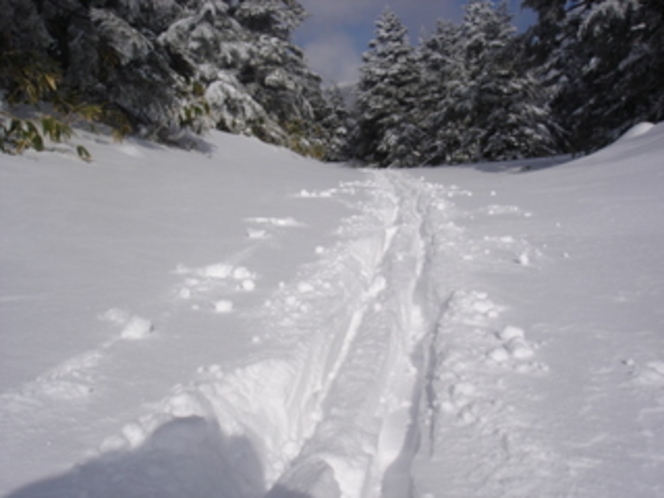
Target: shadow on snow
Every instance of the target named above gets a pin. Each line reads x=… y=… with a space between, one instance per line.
x=187 y=457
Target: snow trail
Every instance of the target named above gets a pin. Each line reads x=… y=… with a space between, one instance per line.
x=376 y=364
x=331 y=402
x=343 y=397
x=366 y=408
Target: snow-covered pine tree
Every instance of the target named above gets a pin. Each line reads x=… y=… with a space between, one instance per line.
x=16 y=19
x=164 y=63
x=443 y=80
x=132 y=71
x=108 y=54
x=256 y=81
x=271 y=17
x=505 y=106
x=604 y=60
x=386 y=133
x=626 y=72
x=339 y=122
x=278 y=77
x=221 y=51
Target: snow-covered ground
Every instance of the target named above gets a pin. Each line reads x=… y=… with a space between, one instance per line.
x=245 y=323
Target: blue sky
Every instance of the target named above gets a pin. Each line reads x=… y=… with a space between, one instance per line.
x=338 y=31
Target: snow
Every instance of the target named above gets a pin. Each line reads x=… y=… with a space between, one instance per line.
x=249 y=323
x=636 y=130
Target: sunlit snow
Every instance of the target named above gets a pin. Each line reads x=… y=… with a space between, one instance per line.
x=249 y=323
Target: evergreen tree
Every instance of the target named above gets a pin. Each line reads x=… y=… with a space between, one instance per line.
x=481 y=103
x=225 y=60
x=509 y=117
x=604 y=62
x=172 y=65
x=387 y=98
x=271 y=17
x=338 y=121
x=444 y=82
x=108 y=56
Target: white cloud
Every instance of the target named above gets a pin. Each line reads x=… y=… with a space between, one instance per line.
x=338 y=31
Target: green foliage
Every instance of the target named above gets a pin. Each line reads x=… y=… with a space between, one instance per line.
x=83 y=153
x=28 y=77
x=19 y=135
x=259 y=129
x=33 y=80
x=301 y=142
x=55 y=129
x=166 y=69
x=192 y=115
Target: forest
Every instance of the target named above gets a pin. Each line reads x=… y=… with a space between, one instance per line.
x=168 y=70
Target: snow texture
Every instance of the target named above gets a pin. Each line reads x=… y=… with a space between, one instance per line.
x=254 y=324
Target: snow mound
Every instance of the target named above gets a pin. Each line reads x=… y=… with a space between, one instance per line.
x=637 y=130
x=137 y=328
x=133 y=327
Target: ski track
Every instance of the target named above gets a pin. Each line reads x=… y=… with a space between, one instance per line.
x=375 y=361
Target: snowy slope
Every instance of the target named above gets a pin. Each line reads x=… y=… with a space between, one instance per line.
x=249 y=323
x=572 y=256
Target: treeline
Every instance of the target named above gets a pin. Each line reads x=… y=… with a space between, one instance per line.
x=171 y=69
x=602 y=61
x=168 y=69
x=583 y=74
